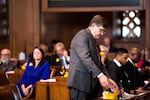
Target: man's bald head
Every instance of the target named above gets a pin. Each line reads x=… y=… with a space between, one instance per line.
x=5 y=55
x=59 y=48
x=134 y=54
x=5 y=51
x=134 y=49
x=107 y=41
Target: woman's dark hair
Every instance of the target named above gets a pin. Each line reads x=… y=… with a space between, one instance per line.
x=32 y=59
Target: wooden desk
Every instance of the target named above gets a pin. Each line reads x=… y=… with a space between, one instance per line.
x=53 y=90
x=144 y=95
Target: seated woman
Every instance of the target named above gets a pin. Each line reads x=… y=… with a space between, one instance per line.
x=36 y=69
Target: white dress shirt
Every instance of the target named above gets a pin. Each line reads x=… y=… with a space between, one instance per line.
x=117 y=62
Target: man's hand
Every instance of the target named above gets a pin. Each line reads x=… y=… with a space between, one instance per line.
x=104 y=81
x=112 y=85
x=108 y=83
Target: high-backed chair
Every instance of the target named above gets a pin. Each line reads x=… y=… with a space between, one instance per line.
x=7 y=91
x=7 y=94
x=3 y=78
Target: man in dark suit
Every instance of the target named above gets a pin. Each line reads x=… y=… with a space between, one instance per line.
x=5 y=63
x=86 y=73
x=116 y=69
x=61 y=56
x=131 y=69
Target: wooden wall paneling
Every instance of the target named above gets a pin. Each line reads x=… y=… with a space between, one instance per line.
x=65 y=31
x=63 y=26
x=24 y=25
x=147 y=20
x=4 y=44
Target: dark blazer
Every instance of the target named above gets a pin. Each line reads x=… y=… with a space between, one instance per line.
x=10 y=66
x=84 y=62
x=119 y=76
x=115 y=72
x=133 y=75
x=55 y=60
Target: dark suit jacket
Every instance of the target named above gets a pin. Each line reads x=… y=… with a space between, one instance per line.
x=84 y=62
x=119 y=76
x=55 y=60
x=131 y=70
x=8 y=67
x=115 y=72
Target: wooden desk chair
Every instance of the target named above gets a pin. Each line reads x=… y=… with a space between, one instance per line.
x=3 y=78
x=7 y=94
x=16 y=76
x=14 y=79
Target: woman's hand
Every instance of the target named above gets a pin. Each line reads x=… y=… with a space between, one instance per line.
x=30 y=86
x=26 y=89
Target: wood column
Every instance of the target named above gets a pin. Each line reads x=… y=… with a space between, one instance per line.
x=24 y=25
x=147 y=23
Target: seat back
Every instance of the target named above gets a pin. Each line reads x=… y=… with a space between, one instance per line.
x=3 y=78
x=7 y=94
x=16 y=76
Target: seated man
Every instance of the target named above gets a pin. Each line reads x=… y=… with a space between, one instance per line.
x=116 y=69
x=131 y=68
x=60 y=59
x=61 y=55
x=5 y=62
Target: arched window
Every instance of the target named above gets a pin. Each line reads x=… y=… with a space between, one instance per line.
x=131 y=25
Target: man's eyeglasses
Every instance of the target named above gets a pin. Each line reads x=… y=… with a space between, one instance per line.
x=102 y=30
